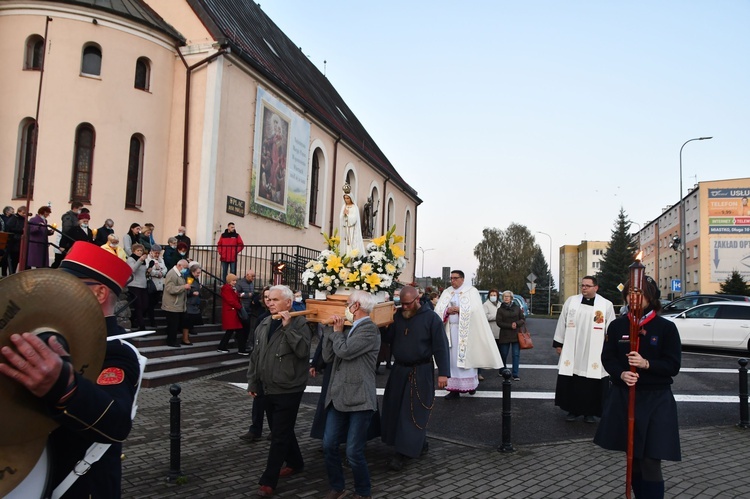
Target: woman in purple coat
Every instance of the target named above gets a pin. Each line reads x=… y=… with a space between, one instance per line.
x=38 y=255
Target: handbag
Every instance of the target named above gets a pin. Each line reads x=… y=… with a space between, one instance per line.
x=150 y=286
x=243 y=315
x=524 y=338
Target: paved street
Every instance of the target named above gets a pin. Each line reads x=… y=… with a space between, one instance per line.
x=552 y=458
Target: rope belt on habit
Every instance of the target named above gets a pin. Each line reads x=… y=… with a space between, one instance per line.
x=414 y=364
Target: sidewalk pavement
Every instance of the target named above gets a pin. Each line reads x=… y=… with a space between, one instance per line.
x=216 y=463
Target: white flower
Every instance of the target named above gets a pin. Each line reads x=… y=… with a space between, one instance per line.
x=371 y=247
x=376 y=256
x=325 y=254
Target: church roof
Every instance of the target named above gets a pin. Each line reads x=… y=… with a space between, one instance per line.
x=135 y=10
x=254 y=37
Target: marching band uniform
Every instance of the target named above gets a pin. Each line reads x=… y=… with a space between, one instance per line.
x=100 y=411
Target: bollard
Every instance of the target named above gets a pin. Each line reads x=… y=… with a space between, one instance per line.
x=506 y=446
x=744 y=417
x=174 y=434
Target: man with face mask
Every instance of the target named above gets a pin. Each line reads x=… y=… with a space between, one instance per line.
x=80 y=232
x=170 y=253
x=104 y=232
x=350 y=356
x=182 y=238
x=174 y=300
x=299 y=303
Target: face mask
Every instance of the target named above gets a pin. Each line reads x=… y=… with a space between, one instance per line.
x=182 y=254
x=180 y=233
x=184 y=272
x=113 y=246
x=173 y=247
x=349 y=315
x=397 y=300
x=84 y=226
x=298 y=299
x=493 y=299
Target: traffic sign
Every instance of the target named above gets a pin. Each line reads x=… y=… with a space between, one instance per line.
x=676 y=286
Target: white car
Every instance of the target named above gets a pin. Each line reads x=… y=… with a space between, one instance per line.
x=721 y=324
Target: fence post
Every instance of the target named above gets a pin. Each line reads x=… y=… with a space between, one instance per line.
x=174 y=434
x=506 y=446
x=744 y=417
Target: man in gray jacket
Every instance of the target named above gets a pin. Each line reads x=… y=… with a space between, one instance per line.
x=351 y=398
x=279 y=362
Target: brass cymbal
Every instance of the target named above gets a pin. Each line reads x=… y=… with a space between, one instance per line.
x=16 y=461
x=42 y=300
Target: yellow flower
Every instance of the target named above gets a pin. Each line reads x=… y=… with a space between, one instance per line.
x=334 y=263
x=326 y=280
x=353 y=277
x=390 y=268
x=373 y=280
x=397 y=239
x=397 y=251
x=344 y=273
x=317 y=267
x=379 y=241
x=335 y=240
x=365 y=268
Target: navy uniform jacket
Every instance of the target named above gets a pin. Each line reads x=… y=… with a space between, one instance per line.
x=97 y=412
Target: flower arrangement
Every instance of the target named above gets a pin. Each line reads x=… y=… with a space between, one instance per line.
x=373 y=272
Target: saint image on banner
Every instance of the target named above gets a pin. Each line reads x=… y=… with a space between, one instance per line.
x=272 y=182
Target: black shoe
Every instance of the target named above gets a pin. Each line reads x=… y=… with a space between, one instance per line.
x=174 y=345
x=472 y=392
x=571 y=417
x=222 y=350
x=244 y=354
x=425 y=448
x=396 y=463
x=250 y=437
x=589 y=419
x=186 y=343
x=452 y=396
x=270 y=436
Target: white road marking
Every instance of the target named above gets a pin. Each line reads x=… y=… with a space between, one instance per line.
x=483 y=394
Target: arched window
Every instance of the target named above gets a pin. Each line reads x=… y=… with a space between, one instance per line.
x=390 y=215
x=91 y=61
x=142 y=73
x=25 y=183
x=83 y=164
x=34 y=53
x=314 y=188
x=351 y=179
x=407 y=234
x=134 y=183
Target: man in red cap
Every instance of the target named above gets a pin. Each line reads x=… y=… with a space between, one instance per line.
x=88 y=413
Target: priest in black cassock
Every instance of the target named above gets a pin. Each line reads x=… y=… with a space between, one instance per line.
x=416 y=336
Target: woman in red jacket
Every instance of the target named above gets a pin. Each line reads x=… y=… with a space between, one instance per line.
x=230 y=321
x=229 y=246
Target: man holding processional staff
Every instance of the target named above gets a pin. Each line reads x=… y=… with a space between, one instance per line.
x=640 y=413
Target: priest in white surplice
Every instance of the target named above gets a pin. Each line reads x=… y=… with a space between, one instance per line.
x=579 y=338
x=470 y=338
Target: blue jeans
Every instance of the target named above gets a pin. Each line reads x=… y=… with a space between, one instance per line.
x=231 y=266
x=354 y=425
x=504 y=349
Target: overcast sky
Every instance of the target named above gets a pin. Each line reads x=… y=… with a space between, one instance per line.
x=548 y=114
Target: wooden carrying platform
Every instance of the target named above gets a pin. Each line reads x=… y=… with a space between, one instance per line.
x=322 y=310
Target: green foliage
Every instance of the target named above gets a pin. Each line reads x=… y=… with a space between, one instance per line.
x=735 y=285
x=505 y=258
x=620 y=255
x=540 y=268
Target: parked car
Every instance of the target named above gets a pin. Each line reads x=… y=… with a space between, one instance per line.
x=516 y=298
x=722 y=324
x=687 y=302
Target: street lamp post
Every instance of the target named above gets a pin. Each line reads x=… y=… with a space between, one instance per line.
x=423 y=252
x=549 y=277
x=683 y=262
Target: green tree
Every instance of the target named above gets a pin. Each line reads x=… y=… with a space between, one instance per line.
x=505 y=258
x=735 y=285
x=620 y=255
x=540 y=268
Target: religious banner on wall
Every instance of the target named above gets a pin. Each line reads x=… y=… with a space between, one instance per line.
x=728 y=211
x=278 y=184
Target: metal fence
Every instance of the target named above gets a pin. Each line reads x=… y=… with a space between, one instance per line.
x=261 y=259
